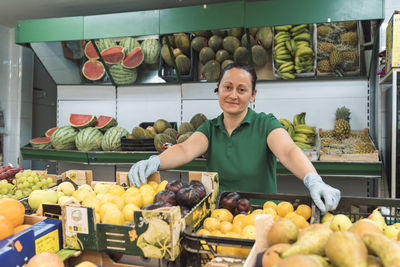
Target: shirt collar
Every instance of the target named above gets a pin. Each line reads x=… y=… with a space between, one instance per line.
x=247 y=119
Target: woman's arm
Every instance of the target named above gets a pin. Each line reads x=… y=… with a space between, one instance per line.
x=180 y=154
x=288 y=153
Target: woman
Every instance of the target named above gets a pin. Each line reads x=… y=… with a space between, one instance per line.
x=242 y=146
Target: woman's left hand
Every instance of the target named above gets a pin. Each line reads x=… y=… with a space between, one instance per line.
x=320 y=190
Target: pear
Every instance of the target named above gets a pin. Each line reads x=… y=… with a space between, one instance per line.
x=391 y=231
x=282 y=231
x=385 y=248
x=374 y=261
x=303 y=261
x=327 y=217
x=361 y=227
x=311 y=240
x=346 y=249
x=273 y=254
x=377 y=217
x=340 y=223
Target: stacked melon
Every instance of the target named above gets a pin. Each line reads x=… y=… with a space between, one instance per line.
x=177 y=48
x=219 y=48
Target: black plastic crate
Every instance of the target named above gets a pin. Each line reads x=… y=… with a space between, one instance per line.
x=169 y=74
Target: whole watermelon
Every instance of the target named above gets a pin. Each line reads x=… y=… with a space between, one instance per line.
x=112 y=139
x=122 y=75
x=151 y=50
x=64 y=138
x=89 y=139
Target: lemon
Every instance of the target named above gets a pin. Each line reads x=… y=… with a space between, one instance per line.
x=116 y=190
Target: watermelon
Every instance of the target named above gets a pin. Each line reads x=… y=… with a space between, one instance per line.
x=64 y=138
x=112 y=139
x=151 y=51
x=105 y=122
x=90 y=51
x=89 y=139
x=133 y=59
x=122 y=75
x=41 y=142
x=105 y=43
x=82 y=121
x=93 y=70
x=50 y=131
x=129 y=44
x=113 y=55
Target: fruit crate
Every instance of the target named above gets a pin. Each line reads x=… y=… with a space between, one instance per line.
x=141 y=144
x=169 y=73
x=313 y=44
x=202 y=248
x=361 y=207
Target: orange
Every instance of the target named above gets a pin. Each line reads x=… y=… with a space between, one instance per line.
x=269 y=210
x=291 y=215
x=13 y=210
x=211 y=224
x=269 y=204
x=21 y=227
x=284 y=208
x=226 y=227
x=222 y=215
x=216 y=233
x=257 y=211
x=304 y=210
x=277 y=217
x=299 y=221
x=6 y=227
x=203 y=232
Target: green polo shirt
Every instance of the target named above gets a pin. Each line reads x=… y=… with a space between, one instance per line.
x=243 y=160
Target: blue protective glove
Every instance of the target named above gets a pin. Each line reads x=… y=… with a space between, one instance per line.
x=318 y=190
x=143 y=169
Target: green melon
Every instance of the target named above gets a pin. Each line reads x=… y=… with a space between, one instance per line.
x=64 y=138
x=151 y=51
x=241 y=55
x=161 y=139
x=222 y=55
x=129 y=43
x=215 y=42
x=198 y=43
x=206 y=54
x=185 y=127
x=166 y=56
x=211 y=71
x=151 y=129
x=182 y=42
x=89 y=139
x=197 y=120
x=259 y=55
x=230 y=43
x=206 y=34
x=237 y=32
x=171 y=40
x=112 y=139
x=182 y=138
x=221 y=33
x=138 y=132
x=253 y=31
x=160 y=125
x=122 y=75
x=264 y=37
x=226 y=63
x=149 y=133
x=183 y=64
x=171 y=132
x=244 y=41
x=177 y=52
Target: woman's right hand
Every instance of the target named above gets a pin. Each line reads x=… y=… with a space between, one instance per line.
x=141 y=170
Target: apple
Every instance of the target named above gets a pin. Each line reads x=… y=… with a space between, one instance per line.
x=60 y=194
x=391 y=231
x=85 y=186
x=66 y=187
x=101 y=188
x=327 y=217
x=38 y=197
x=65 y=199
x=340 y=222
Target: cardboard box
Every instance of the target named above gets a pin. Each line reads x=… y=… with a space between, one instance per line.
x=153 y=233
x=79 y=177
x=393 y=42
x=44 y=235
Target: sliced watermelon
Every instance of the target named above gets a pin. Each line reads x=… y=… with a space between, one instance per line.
x=50 y=131
x=90 y=51
x=93 y=70
x=82 y=121
x=105 y=122
x=133 y=59
x=113 y=55
x=41 y=142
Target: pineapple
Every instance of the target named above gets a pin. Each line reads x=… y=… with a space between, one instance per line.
x=342 y=125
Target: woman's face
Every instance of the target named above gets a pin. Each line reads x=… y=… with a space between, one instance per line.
x=235 y=91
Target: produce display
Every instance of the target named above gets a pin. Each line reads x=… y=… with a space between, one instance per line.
x=293 y=50
x=338 y=49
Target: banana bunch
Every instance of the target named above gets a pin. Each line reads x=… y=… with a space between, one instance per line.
x=302 y=134
x=291 y=50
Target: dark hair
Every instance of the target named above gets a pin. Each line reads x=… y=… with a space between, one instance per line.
x=247 y=68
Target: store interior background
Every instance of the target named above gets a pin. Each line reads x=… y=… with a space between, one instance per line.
x=28 y=94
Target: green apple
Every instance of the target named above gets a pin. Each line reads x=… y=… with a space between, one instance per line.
x=340 y=222
x=65 y=199
x=66 y=187
x=38 y=197
x=85 y=186
x=391 y=231
x=60 y=194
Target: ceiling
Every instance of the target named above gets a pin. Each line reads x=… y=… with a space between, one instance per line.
x=13 y=10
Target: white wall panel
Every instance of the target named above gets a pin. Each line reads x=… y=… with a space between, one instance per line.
x=85 y=92
x=148 y=103
x=199 y=91
x=210 y=108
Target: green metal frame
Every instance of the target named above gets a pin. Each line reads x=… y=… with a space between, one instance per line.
x=194 y=18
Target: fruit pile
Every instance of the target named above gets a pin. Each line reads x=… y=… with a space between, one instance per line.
x=336 y=241
x=123 y=57
x=302 y=134
x=292 y=50
x=219 y=48
x=8 y=173
x=12 y=214
x=337 y=48
x=179 y=44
